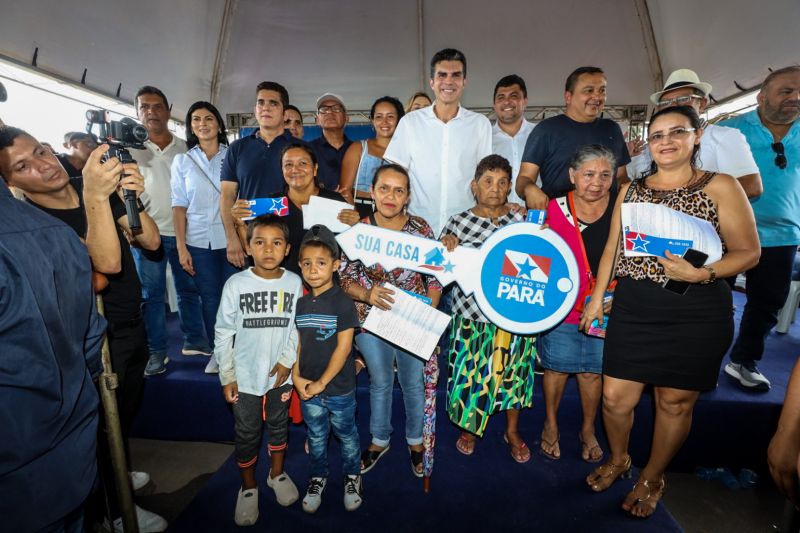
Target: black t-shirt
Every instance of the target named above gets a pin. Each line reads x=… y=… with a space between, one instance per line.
x=329 y=160
x=72 y=172
x=595 y=236
x=554 y=141
x=295 y=222
x=319 y=319
x=123 y=296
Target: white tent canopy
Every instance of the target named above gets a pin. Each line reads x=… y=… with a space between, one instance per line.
x=219 y=50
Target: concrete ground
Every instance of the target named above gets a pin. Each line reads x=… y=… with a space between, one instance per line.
x=179 y=470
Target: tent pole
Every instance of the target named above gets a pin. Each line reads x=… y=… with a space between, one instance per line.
x=646 y=25
x=421 y=44
x=222 y=49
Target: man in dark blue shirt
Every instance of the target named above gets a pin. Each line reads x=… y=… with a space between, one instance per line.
x=331 y=146
x=252 y=166
x=555 y=140
x=50 y=338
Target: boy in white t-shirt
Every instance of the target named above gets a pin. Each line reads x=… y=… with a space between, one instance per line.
x=258 y=309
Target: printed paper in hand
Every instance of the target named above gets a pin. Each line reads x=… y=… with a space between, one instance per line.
x=650 y=229
x=324 y=211
x=410 y=324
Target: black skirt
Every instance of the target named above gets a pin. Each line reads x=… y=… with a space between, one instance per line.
x=665 y=339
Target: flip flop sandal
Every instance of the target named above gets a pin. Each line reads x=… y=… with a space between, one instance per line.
x=416 y=461
x=465 y=446
x=369 y=458
x=517 y=451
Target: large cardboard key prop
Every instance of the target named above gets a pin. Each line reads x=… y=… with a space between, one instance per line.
x=524 y=278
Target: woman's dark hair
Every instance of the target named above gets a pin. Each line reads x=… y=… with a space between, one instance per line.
x=493 y=162
x=297 y=143
x=398 y=106
x=695 y=121
x=391 y=166
x=191 y=138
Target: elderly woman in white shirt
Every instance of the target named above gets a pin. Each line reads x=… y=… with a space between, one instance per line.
x=195 y=209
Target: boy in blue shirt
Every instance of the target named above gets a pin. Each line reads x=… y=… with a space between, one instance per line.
x=325 y=375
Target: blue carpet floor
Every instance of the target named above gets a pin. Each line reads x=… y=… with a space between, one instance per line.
x=485 y=491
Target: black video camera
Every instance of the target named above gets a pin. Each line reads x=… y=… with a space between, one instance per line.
x=120 y=135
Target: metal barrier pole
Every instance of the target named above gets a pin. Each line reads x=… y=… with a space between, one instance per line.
x=107 y=384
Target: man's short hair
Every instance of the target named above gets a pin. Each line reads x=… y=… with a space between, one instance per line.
x=267 y=221
x=508 y=81
x=278 y=88
x=493 y=162
x=792 y=69
x=572 y=79
x=448 y=54
x=8 y=134
x=149 y=89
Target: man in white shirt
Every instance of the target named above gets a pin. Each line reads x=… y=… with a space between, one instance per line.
x=154 y=162
x=510 y=131
x=722 y=149
x=441 y=144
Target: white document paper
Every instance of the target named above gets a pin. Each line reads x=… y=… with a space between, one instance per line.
x=663 y=222
x=324 y=211
x=411 y=324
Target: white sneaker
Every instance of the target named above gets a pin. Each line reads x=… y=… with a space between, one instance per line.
x=212 y=367
x=139 y=479
x=246 y=507
x=148 y=522
x=285 y=489
x=749 y=378
x=352 y=492
x=313 y=497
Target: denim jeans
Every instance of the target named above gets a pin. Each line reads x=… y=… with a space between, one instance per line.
x=211 y=271
x=323 y=412
x=380 y=357
x=152 y=269
x=767 y=288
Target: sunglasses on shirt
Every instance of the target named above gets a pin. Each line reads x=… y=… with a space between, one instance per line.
x=780 y=155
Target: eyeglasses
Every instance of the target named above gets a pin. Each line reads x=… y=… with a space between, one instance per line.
x=680 y=100
x=677 y=133
x=780 y=155
x=324 y=110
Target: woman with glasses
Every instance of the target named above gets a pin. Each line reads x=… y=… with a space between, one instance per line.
x=674 y=342
x=362 y=159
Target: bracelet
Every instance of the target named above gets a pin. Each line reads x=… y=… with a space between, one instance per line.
x=712 y=275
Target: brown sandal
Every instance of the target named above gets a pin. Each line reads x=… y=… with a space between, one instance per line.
x=605 y=475
x=654 y=491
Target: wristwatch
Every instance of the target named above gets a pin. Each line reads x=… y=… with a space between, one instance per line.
x=712 y=275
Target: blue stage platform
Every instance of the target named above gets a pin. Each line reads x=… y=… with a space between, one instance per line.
x=731 y=428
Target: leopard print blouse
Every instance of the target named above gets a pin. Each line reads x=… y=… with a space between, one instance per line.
x=690 y=199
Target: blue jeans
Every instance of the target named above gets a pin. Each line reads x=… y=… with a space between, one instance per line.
x=767 y=288
x=211 y=271
x=152 y=269
x=380 y=357
x=323 y=412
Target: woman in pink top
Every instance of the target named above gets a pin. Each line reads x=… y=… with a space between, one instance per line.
x=582 y=218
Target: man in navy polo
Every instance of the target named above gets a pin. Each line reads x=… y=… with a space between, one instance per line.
x=252 y=167
x=331 y=146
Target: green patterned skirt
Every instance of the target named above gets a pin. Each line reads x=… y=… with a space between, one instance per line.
x=490 y=370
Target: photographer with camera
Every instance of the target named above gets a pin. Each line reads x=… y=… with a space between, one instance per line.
x=155 y=162
x=93 y=207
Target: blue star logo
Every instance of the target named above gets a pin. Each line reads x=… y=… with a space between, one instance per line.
x=448 y=267
x=526 y=268
x=639 y=243
x=277 y=204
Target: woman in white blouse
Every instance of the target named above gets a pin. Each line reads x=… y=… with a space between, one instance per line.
x=195 y=209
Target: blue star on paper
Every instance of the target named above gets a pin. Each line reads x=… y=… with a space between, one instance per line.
x=639 y=243
x=448 y=267
x=526 y=268
x=277 y=204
